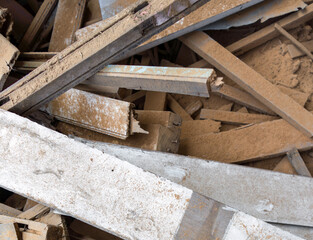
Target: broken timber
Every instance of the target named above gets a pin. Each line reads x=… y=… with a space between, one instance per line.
x=188 y=81
x=97 y=113
x=109 y=193
x=268 y=139
x=9 y=54
x=297 y=162
x=208 y=178
x=85 y=57
x=235 y=118
x=251 y=81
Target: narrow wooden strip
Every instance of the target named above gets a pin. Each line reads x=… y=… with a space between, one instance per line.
x=284 y=166
x=71 y=13
x=296 y=52
x=194 y=107
x=251 y=81
x=105 y=115
x=297 y=162
x=166 y=119
x=259 y=141
x=41 y=17
x=234 y=117
x=176 y=108
x=269 y=32
x=33 y=212
x=134 y=97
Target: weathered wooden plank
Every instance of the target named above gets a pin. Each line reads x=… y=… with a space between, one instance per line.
x=284 y=166
x=176 y=108
x=269 y=32
x=71 y=13
x=134 y=97
x=160 y=79
x=199 y=18
x=9 y=53
x=199 y=127
x=84 y=58
x=259 y=141
x=8 y=211
x=34 y=212
x=120 y=202
x=97 y=113
x=251 y=81
x=155 y=101
x=194 y=107
x=39 y=20
x=235 y=118
x=10 y=231
x=160 y=138
x=164 y=118
x=267 y=195
x=297 y=162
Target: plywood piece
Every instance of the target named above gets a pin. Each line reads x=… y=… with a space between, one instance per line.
x=251 y=81
x=297 y=162
x=84 y=58
x=235 y=118
x=263 y=201
x=199 y=127
x=10 y=231
x=160 y=138
x=105 y=115
x=8 y=54
x=37 y=24
x=259 y=141
x=177 y=108
x=296 y=52
x=71 y=13
x=269 y=32
x=155 y=101
x=178 y=80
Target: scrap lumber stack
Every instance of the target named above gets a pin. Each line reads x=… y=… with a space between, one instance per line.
x=156 y=119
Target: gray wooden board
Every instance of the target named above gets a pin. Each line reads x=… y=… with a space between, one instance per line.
x=270 y=196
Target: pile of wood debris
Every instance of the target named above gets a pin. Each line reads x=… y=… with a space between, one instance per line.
x=156 y=119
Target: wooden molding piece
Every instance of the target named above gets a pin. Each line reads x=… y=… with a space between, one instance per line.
x=251 y=81
x=235 y=118
x=84 y=58
x=176 y=108
x=71 y=13
x=268 y=139
x=199 y=127
x=155 y=101
x=297 y=162
x=188 y=81
x=9 y=53
x=270 y=32
x=97 y=113
x=259 y=196
x=38 y=22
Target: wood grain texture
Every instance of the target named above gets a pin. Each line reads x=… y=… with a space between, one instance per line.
x=155 y=101
x=297 y=162
x=251 y=81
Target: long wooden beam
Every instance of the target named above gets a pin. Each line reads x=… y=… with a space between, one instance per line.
x=110 y=193
x=84 y=58
x=250 y=143
x=251 y=81
x=267 y=195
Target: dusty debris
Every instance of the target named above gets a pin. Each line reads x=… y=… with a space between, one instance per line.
x=156 y=119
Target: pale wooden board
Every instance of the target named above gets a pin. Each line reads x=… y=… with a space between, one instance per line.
x=177 y=108
x=251 y=81
x=199 y=127
x=235 y=118
x=259 y=141
x=8 y=211
x=10 y=231
x=164 y=118
x=67 y=21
